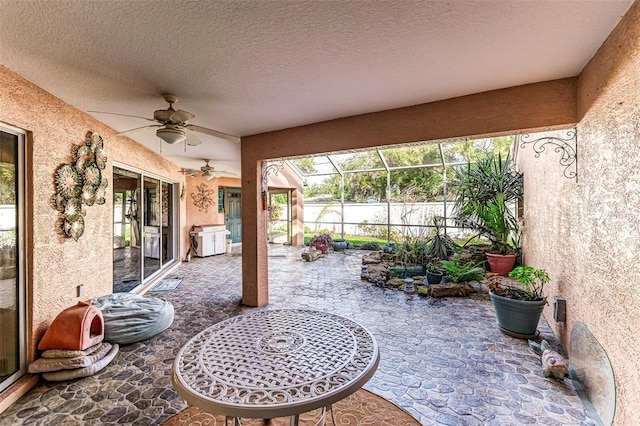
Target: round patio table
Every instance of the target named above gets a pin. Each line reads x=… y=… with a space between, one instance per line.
x=275 y=363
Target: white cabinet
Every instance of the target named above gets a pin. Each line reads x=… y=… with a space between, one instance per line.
x=210 y=239
x=152 y=242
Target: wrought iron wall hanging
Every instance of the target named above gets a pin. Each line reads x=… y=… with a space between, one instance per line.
x=80 y=184
x=567 y=146
x=267 y=169
x=203 y=198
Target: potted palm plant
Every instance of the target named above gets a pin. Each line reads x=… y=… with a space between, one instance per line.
x=519 y=307
x=485 y=194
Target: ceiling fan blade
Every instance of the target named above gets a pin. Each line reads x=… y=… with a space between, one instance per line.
x=124 y=115
x=192 y=140
x=181 y=116
x=222 y=172
x=126 y=132
x=212 y=132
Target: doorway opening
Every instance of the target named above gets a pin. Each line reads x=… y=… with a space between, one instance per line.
x=279 y=216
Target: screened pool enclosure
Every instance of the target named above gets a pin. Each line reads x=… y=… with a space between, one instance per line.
x=386 y=193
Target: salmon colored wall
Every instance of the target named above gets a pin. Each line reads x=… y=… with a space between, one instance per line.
x=59 y=264
x=586 y=233
x=195 y=217
x=549 y=104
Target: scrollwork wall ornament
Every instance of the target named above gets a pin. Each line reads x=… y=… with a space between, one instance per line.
x=79 y=184
x=567 y=146
x=203 y=198
x=267 y=169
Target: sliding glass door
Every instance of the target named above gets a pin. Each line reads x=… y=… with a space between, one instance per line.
x=12 y=284
x=145 y=240
x=127 y=235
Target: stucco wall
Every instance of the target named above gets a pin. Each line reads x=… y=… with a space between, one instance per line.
x=58 y=264
x=586 y=233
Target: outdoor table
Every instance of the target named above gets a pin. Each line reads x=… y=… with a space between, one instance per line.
x=275 y=363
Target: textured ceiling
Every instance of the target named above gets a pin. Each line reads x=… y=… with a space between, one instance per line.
x=245 y=67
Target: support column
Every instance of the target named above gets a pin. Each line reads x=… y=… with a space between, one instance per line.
x=297 y=218
x=255 y=275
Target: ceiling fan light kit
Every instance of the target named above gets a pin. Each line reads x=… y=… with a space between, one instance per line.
x=171 y=134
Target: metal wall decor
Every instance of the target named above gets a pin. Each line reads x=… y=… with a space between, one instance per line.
x=203 y=198
x=268 y=168
x=567 y=146
x=80 y=184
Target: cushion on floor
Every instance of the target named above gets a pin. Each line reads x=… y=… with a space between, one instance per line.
x=64 y=353
x=43 y=365
x=58 y=376
x=130 y=318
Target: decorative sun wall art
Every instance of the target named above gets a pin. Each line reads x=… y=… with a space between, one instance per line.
x=203 y=198
x=81 y=184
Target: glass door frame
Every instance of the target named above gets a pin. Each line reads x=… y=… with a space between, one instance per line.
x=21 y=258
x=175 y=219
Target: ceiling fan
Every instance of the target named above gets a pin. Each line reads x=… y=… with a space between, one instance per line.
x=173 y=125
x=208 y=172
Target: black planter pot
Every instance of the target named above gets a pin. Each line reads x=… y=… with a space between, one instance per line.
x=517 y=318
x=434 y=277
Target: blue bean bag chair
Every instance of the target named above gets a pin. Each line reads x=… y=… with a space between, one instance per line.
x=130 y=318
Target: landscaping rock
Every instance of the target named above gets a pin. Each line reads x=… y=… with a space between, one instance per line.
x=451 y=290
x=371 y=258
x=312 y=255
x=422 y=290
x=377 y=272
x=395 y=282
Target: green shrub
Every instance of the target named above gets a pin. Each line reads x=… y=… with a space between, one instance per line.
x=458 y=272
x=370 y=246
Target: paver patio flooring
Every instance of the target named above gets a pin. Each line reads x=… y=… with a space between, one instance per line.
x=444 y=361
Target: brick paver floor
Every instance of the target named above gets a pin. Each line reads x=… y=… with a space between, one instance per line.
x=444 y=361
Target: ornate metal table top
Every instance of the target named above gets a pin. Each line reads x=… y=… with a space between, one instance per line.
x=276 y=363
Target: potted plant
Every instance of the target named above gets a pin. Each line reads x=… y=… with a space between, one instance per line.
x=339 y=244
x=518 y=308
x=321 y=242
x=485 y=195
x=434 y=271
